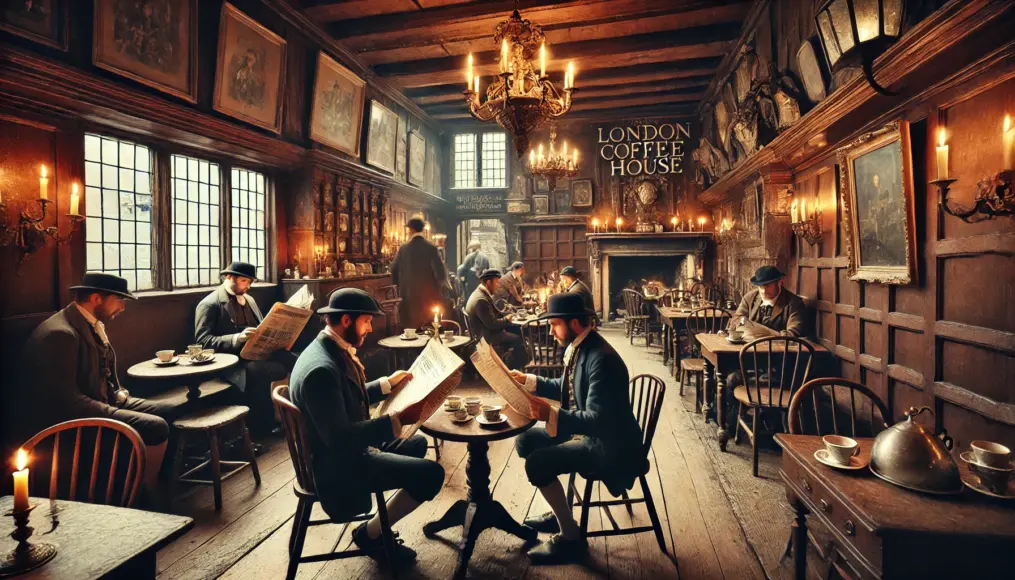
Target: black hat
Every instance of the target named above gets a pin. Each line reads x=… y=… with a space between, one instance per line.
x=566 y=305
x=241 y=269
x=766 y=275
x=351 y=301
x=517 y=265
x=491 y=273
x=569 y=271
x=102 y=282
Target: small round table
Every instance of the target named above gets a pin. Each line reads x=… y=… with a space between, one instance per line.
x=184 y=371
x=480 y=511
x=403 y=350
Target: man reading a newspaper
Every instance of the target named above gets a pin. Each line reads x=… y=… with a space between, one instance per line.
x=352 y=455
x=224 y=320
x=593 y=431
x=487 y=321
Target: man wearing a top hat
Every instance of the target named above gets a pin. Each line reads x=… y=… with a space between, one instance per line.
x=590 y=427
x=224 y=321
x=420 y=275
x=569 y=276
x=70 y=370
x=486 y=321
x=353 y=455
x=512 y=285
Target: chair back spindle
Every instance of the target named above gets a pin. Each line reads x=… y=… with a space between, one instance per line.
x=546 y=357
x=647 y=393
x=837 y=406
x=783 y=367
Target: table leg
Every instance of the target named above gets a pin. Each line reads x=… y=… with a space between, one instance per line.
x=707 y=388
x=720 y=410
x=194 y=391
x=799 y=540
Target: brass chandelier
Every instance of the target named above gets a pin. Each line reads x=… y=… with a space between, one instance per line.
x=521 y=99
x=553 y=164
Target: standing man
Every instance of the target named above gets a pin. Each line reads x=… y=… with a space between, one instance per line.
x=474 y=264
x=352 y=455
x=224 y=321
x=420 y=275
x=512 y=285
x=592 y=431
x=70 y=370
x=486 y=321
x=571 y=283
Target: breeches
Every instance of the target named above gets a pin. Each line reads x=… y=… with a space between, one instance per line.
x=257 y=391
x=546 y=457
x=400 y=465
x=149 y=418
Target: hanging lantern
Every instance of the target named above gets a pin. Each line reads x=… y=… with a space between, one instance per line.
x=857 y=31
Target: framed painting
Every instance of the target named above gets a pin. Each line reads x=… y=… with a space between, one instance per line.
x=417 y=158
x=581 y=193
x=401 y=146
x=542 y=185
x=876 y=179
x=153 y=43
x=381 y=137
x=562 y=201
x=42 y=21
x=250 y=75
x=337 y=114
x=541 y=204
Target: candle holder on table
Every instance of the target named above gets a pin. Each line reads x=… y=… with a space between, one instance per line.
x=25 y=556
x=994 y=198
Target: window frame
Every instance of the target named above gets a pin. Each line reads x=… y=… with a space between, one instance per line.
x=480 y=137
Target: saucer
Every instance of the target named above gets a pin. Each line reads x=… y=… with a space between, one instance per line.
x=854 y=462
x=971 y=481
x=403 y=337
x=168 y=363
x=202 y=362
x=735 y=341
x=462 y=421
x=450 y=410
x=484 y=421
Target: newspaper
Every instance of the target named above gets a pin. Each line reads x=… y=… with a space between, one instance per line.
x=489 y=364
x=436 y=373
x=280 y=329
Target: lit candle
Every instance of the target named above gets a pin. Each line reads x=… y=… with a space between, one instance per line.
x=565 y=149
x=44 y=184
x=475 y=80
x=689 y=228
x=803 y=210
x=569 y=83
x=542 y=59
x=532 y=157
x=21 y=481
x=595 y=225
x=75 y=200
x=673 y=223
x=793 y=212
x=1008 y=142
x=701 y=224
x=503 y=56
x=468 y=76
x=575 y=155
x=942 y=155
x=620 y=222
x=436 y=316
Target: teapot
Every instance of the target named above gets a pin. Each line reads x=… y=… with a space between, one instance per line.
x=910 y=455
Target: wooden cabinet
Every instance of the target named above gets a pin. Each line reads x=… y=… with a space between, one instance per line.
x=549 y=247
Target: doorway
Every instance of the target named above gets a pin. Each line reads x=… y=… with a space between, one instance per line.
x=491 y=235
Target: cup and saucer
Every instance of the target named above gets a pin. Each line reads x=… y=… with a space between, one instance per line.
x=736 y=337
x=408 y=334
x=460 y=416
x=991 y=469
x=205 y=356
x=491 y=416
x=840 y=453
x=453 y=403
x=165 y=358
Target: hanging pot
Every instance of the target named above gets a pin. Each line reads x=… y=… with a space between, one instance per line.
x=912 y=456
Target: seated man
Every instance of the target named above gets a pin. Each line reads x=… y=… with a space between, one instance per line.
x=70 y=370
x=512 y=285
x=224 y=321
x=352 y=455
x=571 y=283
x=771 y=310
x=486 y=321
x=594 y=430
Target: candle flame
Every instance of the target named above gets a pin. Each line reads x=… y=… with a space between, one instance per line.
x=673 y=221
x=1007 y=126
x=941 y=137
x=44 y=169
x=701 y=221
x=21 y=459
x=74 y=188
x=595 y=222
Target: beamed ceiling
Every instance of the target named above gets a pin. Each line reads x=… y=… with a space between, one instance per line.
x=635 y=58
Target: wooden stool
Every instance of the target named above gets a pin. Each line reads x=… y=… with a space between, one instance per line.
x=210 y=421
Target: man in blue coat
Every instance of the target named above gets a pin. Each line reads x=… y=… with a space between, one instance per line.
x=593 y=431
x=353 y=455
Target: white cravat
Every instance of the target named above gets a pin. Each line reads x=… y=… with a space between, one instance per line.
x=96 y=324
x=767 y=302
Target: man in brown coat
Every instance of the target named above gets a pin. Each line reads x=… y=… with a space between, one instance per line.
x=512 y=286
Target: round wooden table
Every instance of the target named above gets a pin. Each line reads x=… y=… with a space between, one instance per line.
x=184 y=371
x=479 y=511
x=404 y=351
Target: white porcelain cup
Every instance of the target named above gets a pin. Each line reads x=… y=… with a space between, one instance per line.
x=472 y=405
x=461 y=415
x=409 y=332
x=194 y=349
x=165 y=355
x=491 y=412
x=991 y=454
x=841 y=449
x=454 y=402
x=736 y=334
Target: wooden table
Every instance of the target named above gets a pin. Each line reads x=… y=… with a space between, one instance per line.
x=880 y=530
x=401 y=350
x=96 y=541
x=722 y=357
x=184 y=371
x=479 y=511
x=523 y=321
x=674 y=321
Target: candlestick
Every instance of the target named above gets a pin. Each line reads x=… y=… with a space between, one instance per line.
x=595 y=225
x=803 y=209
x=1008 y=144
x=21 y=481
x=75 y=200
x=620 y=222
x=43 y=184
x=701 y=224
x=689 y=228
x=576 y=158
x=793 y=212
x=673 y=223
x=503 y=56
x=942 y=155
x=542 y=59
x=475 y=80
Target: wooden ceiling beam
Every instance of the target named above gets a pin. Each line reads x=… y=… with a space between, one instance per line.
x=636 y=101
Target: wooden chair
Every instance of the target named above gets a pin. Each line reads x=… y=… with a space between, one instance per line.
x=390 y=309
x=635 y=318
x=771 y=385
x=209 y=423
x=546 y=357
x=646 y=392
x=711 y=293
x=118 y=469
x=303 y=487
x=706 y=320
x=451 y=325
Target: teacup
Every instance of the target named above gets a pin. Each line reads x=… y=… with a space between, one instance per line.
x=165 y=355
x=472 y=405
x=996 y=480
x=461 y=414
x=736 y=334
x=194 y=349
x=492 y=412
x=409 y=332
x=841 y=449
x=449 y=334
x=991 y=454
x=454 y=402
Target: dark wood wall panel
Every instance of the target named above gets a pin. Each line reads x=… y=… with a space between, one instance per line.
x=987 y=372
x=968 y=281
x=550 y=247
x=906 y=348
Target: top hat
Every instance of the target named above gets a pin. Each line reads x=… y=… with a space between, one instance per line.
x=566 y=305
x=766 y=275
x=241 y=269
x=491 y=273
x=102 y=282
x=569 y=271
x=517 y=265
x=351 y=301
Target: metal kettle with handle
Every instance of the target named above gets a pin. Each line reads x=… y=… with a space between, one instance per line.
x=912 y=456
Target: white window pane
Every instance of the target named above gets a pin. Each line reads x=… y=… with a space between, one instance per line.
x=127 y=232
x=93 y=229
x=205 y=277
x=126 y=180
x=110 y=203
x=192 y=190
x=143 y=160
x=192 y=234
x=144 y=279
x=204 y=257
x=192 y=172
x=127 y=206
x=93 y=201
x=109 y=151
x=110 y=256
x=143 y=208
x=202 y=175
x=191 y=213
x=126 y=155
x=179 y=166
x=110 y=230
x=202 y=193
x=143 y=182
x=144 y=257
x=144 y=233
x=93 y=174
x=180 y=256
x=202 y=237
x=109 y=176
x=127 y=257
x=93 y=256
x=92 y=148
x=215 y=175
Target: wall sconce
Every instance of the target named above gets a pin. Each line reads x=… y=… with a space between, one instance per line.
x=806 y=225
x=29 y=235
x=994 y=195
x=859 y=30
x=729 y=232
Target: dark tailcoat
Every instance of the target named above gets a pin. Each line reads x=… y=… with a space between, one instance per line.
x=602 y=411
x=327 y=388
x=485 y=321
x=788 y=315
x=217 y=318
x=420 y=275
x=579 y=287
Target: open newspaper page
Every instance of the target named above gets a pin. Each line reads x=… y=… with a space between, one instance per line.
x=436 y=373
x=281 y=327
x=489 y=364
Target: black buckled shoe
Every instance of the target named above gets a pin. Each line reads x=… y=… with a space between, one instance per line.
x=559 y=550
x=546 y=523
x=374 y=548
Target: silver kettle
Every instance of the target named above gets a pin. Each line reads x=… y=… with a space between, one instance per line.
x=912 y=456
